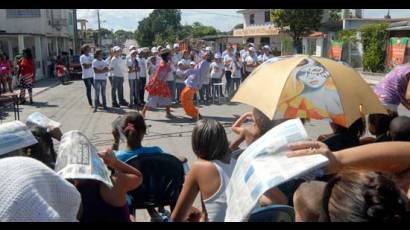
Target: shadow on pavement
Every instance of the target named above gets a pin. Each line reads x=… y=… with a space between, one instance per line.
x=115 y=110
x=38 y=104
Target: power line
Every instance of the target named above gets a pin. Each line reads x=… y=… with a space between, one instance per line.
x=227 y=15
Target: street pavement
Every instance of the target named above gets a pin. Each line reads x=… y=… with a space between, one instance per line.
x=68 y=105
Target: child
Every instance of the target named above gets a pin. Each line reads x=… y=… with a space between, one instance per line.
x=208 y=176
x=236 y=67
x=100 y=78
x=379 y=127
x=60 y=68
x=400 y=129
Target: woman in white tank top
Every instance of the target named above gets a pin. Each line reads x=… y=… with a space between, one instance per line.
x=208 y=176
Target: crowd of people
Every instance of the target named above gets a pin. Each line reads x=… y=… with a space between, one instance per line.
x=169 y=75
x=366 y=179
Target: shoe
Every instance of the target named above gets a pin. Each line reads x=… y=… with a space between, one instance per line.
x=124 y=103
x=169 y=115
x=115 y=105
x=105 y=107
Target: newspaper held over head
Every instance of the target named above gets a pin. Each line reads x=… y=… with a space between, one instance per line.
x=41 y=120
x=15 y=135
x=78 y=159
x=264 y=165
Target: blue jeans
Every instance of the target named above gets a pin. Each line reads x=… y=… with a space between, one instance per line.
x=117 y=89
x=89 y=82
x=204 y=92
x=180 y=87
x=141 y=84
x=134 y=91
x=235 y=82
x=100 y=85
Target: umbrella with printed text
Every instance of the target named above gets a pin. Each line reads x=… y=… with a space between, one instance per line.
x=309 y=87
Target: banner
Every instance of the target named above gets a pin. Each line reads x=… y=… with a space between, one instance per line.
x=395 y=52
x=336 y=50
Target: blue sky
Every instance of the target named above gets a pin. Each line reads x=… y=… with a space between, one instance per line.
x=222 y=19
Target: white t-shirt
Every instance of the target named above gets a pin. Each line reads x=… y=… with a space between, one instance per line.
x=186 y=62
x=131 y=64
x=171 y=73
x=238 y=66
x=87 y=59
x=216 y=70
x=117 y=68
x=100 y=64
x=228 y=60
x=251 y=60
x=142 y=64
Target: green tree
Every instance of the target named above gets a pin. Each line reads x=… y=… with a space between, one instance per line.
x=335 y=15
x=238 y=26
x=161 y=24
x=105 y=32
x=199 y=30
x=299 y=21
x=374 y=38
x=123 y=34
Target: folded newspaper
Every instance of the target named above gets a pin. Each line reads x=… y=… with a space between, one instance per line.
x=264 y=165
x=78 y=159
x=15 y=135
x=41 y=120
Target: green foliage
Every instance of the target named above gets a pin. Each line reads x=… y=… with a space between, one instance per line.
x=335 y=15
x=287 y=46
x=374 y=38
x=239 y=26
x=160 y=25
x=346 y=36
x=299 y=21
x=122 y=34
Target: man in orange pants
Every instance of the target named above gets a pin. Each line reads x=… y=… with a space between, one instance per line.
x=194 y=82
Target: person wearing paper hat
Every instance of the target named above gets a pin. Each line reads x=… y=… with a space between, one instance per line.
x=159 y=92
x=79 y=163
x=14 y=137
x=32 y=192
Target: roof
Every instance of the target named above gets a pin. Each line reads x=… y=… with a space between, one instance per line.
x=402 y=25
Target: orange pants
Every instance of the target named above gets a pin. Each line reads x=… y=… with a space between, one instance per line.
x=187 y=101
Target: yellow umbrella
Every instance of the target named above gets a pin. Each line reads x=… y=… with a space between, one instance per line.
x=309 y=87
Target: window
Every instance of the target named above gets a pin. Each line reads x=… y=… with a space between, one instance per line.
x=252 y=19
x=23 y=13
x=250 y=40
x=267 y=16
x=265 y=41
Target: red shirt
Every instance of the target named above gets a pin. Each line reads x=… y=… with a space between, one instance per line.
x=26 y=67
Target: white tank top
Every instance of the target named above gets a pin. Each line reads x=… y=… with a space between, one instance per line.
x=216 y=204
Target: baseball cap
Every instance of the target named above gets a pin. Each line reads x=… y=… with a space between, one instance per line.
x=154 y=49
x=266 y=47
x=218 y=55
x=168 y=46
x=208 y=48
x=132 y=47
x=251 y=44
x=252 y=49
x=180 y=62
x=116 y=48
x=133 y=52
x=176 y=45
x=192 y=63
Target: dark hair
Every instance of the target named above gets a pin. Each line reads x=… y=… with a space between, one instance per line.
x=134 y=129
x=45 y=144
x=164 y=56
x=357 y=129
x=363 y=196
x=60 y=60
x=209 y=140
x=381 y=123
x=27 y=53
x=84 y=48
x=98 y=52
x=263 y=123
x=400 y=129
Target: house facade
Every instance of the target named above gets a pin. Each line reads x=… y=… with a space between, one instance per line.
x=45 y=31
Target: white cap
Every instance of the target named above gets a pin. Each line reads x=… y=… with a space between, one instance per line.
x=218 y=55
x=168 y=46
x=133 y=52
x=154 y=50
x=266 y=47
x=180 y=62
x=116 y=48
x=132 y=47
x=15 y=135
x=32 y=192
x=176 y=45
x=159 y=47
x=252 y=49
x=251 y=44
x=192 y=63
x=208 y=48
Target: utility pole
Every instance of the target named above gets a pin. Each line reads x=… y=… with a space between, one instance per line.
x=99 y=29
x=75 y=38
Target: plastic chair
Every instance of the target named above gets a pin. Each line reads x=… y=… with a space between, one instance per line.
x=163 y=179
x=273 y=213
x=217 y=87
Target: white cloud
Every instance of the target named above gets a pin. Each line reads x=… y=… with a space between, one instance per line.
x=127 y=19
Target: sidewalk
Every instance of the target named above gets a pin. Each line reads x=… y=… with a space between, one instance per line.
x=44 y=84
